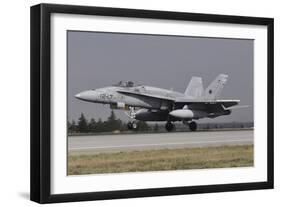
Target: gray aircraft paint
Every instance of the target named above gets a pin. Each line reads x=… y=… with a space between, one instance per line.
x=178 y=106
x=99 y=59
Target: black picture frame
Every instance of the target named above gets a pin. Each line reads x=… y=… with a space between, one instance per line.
x=41 y=98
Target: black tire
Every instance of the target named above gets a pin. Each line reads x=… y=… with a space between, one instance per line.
x=193 y=126
x=169 y=126
x=130 y=126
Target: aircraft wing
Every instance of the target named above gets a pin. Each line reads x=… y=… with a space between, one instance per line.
x=214 y=105
x=143 y=94
x=225 y=103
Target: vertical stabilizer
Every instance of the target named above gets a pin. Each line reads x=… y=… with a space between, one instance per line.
x=195 y=87
x=213 y=91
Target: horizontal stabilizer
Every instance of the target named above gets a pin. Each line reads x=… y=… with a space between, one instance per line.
x=237 y=107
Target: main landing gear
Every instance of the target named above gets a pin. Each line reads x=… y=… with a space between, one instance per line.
x=192 y=126
x=169 y=126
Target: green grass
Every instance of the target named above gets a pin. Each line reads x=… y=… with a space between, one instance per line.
x=159 y=160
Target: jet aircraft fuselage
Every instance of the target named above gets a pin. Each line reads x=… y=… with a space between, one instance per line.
x=158 y=104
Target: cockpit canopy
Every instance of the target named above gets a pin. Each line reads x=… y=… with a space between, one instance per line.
x=126 y=84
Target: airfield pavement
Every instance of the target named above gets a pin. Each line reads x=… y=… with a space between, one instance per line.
x=172 y=140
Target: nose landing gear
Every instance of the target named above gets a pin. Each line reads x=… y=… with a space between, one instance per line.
x=132 y=125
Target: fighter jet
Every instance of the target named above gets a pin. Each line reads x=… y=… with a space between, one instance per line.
x=147 y=103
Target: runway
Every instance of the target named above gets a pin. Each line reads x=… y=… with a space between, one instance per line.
x=129 y=142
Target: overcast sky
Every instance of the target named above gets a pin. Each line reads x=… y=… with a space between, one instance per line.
x=97 y=60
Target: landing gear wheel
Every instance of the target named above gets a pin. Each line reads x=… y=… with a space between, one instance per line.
x=193 y=126
x=169 y=126
x=132 y=125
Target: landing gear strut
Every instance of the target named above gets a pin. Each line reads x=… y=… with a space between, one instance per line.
x=192 y=126
x=132 y=124
x=169 y=126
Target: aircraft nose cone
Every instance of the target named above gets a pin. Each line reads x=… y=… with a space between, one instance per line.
x=88 y=95
x=78 y=95
x=84 y=95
